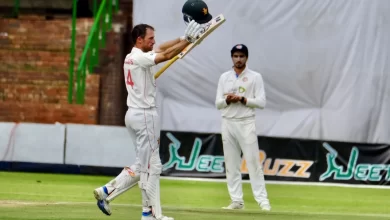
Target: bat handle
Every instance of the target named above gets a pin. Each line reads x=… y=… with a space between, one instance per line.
x=170 y=62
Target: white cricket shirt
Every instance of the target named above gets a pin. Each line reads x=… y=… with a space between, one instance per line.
x=139 y=79
x=248 y=84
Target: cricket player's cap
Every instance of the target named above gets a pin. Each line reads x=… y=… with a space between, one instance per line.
x=240 y=48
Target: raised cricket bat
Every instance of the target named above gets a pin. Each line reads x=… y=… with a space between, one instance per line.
x=210 y=27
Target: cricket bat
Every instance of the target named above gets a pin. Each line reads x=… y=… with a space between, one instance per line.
x=210 y=27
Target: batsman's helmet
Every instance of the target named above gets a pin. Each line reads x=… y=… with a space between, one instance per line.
x=196 y=10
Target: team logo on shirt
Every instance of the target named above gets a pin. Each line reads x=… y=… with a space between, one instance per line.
x=241 y=89
x=245 y=79
x=129 y=61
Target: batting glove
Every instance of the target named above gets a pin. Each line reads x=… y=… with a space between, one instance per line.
x=192 y=31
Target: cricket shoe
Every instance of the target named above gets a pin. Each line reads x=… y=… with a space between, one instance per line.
x=235 y=205
x=265 y=207
x=101 y=195
x=149 y=216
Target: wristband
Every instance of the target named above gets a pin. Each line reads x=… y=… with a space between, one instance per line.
x=182 y=38
x=242 y=99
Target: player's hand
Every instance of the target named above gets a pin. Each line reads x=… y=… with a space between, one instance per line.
x=192 y=31
x=231 y=98
x=236 y=98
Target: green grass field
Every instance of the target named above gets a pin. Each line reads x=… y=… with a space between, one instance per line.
x=25 y=196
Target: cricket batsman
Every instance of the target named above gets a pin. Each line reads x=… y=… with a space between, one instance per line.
x=142 y=120
x=240 y=91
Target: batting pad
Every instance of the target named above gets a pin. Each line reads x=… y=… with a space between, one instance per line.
x=153 y=193
x=123 y=182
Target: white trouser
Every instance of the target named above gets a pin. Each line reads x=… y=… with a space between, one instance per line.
x=240 y=135
x=144 y=128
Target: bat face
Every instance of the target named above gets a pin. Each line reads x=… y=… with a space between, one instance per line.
x=205 y=27
x=215 y=22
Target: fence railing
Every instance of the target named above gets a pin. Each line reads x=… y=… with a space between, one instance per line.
x=15 y=11
x=96 y=40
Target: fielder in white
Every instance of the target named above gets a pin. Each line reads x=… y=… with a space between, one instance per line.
x=240 y=91
x=142 y=120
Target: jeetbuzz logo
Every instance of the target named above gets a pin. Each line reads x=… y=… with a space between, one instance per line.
x=360 y=172
x=281 y=166
x=200 y=163
x=334 y=168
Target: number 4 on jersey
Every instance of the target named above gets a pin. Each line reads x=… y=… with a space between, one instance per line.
x=129 y=80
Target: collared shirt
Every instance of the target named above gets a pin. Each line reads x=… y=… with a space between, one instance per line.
x=248 y=84
x=139 y=79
